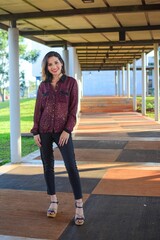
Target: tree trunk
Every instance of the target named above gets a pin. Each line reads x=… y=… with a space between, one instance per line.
x=2 y=94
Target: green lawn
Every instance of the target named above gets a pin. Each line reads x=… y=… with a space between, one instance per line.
x=149 y=106
x=26 y=113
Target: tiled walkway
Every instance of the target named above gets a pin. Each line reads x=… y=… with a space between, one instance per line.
x=118 y=156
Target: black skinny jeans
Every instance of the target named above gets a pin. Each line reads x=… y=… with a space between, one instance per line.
x=68 y=155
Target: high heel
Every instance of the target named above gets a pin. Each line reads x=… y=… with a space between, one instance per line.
x=52 y=212
x=79 y=218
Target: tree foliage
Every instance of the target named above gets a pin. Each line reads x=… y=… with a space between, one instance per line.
x=29 y=56
x=3 y=62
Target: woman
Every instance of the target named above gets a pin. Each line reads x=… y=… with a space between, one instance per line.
x=54 y=120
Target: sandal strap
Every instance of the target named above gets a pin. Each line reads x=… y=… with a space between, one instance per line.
x=78 y=206
x=79 y=218
x=53 y=209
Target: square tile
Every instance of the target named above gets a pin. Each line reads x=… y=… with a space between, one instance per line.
x=118 y=218
x=23 y=214
x=134 y=182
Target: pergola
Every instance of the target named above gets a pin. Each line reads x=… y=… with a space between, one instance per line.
x=106 y=35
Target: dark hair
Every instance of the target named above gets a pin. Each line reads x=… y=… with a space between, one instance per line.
x=46 y=75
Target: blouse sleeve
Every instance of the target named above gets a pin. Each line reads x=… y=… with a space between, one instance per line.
x=72 y=111
x=37 y=112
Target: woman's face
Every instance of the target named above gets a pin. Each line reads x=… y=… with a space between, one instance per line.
x=54 y=66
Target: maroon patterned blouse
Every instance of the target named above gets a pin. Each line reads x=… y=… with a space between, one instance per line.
x=55 y=109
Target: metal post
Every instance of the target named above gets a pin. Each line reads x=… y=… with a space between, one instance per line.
x=123 y=81
x=134 y=86
x=156 y=81
x=143 y=83
x=116 y=84
x=128 y=80
x=119 y=90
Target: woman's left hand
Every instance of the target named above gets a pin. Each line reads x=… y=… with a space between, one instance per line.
x=63 y=138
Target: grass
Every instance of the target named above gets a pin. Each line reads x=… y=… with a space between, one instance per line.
x=26 y=115
x=149 y=106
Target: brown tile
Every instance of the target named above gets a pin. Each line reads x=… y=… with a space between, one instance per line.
x=135 y=182
x=23 y=213
x=92 y=155
x=148 y=145
x=114 y=125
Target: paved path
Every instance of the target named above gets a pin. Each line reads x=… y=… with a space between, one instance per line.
x=118 y=156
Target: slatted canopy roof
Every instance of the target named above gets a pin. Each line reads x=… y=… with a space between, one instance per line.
x=107 y=34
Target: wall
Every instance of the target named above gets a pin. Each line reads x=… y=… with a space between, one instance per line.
x=103 y=83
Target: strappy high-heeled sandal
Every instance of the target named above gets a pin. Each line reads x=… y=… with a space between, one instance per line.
x=52 y=212
x=79 y=219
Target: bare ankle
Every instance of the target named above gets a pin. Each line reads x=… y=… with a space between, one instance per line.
x=53 y=198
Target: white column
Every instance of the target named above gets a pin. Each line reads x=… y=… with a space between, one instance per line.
x=66 y=59
x=156 y=81
x=116 y=84
x=143 y=83
x=75 y=72
x=81 y=85
x=71 y=62
x=123 y=81
x=119 y=90
x=15 y=134
x=128 y=80
x=134 y=86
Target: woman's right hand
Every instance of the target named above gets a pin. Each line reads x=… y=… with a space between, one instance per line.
x=37 y=140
